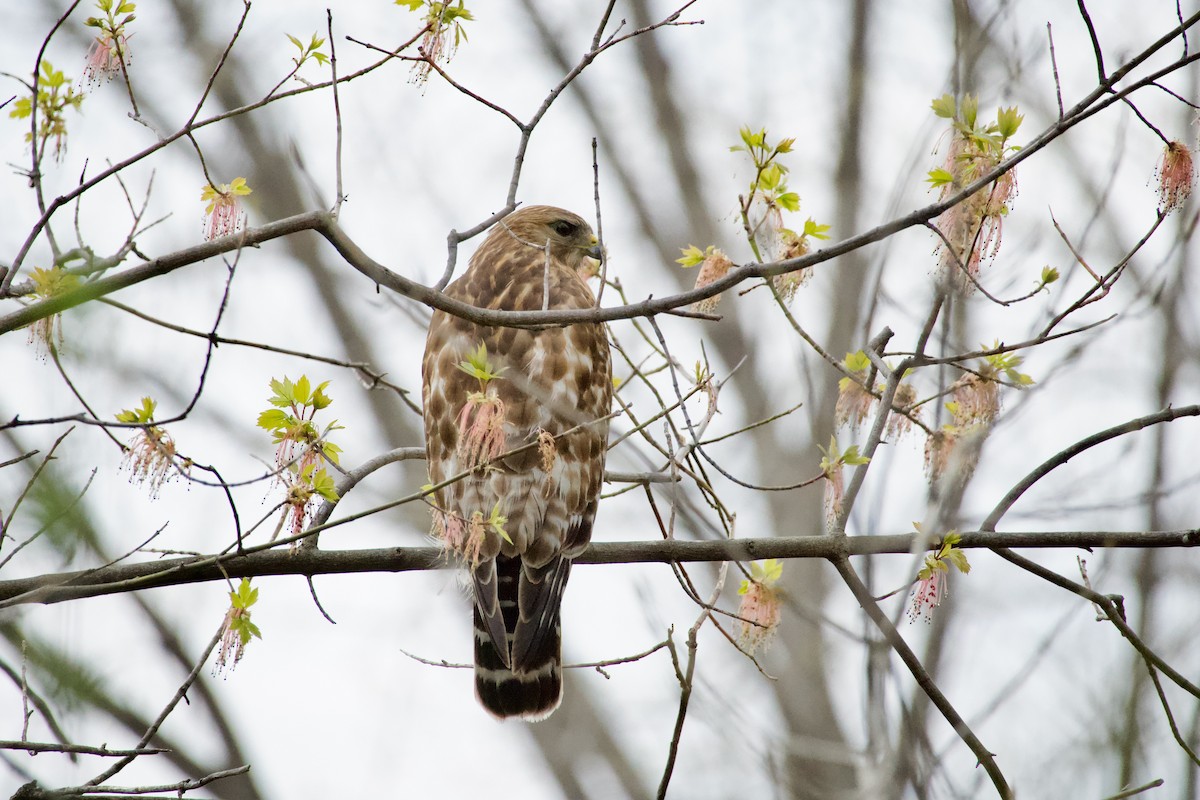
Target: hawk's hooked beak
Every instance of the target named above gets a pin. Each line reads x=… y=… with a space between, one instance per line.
x=594 y=251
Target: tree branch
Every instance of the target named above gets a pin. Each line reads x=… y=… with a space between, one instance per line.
x=117 y=578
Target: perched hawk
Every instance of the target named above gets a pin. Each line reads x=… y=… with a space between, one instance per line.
x=517 y=521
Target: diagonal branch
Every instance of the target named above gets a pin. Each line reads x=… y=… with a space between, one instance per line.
x=863 y=595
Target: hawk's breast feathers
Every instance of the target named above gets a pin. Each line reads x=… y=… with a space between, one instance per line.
x=518 y=518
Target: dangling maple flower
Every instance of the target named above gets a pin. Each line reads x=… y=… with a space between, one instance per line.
x=938 y=447
x=296 y=503
x=853 y=404
x=995 y=208
x=977 y=394
x=449 y=529
x=934 y=577
x=761 y=607
x=473 y=539
x=305 y=487
x=976 y=400
x=786 y=284
x=238 y=629
x=224 y=215
x=108 y=54
x=973 y=227
x=854 y=400
x=300 y=448
x=150 y=455
x=927 y=595
x=973 y=410
x=766 y=222
x=441 y=20
x=481 y=435
x=833 y=460
x=1176 y=175
x=905 y=398
x=300 y=445
x=714 y=265
x=548 y=450
x=953 y=453
x=46 y=333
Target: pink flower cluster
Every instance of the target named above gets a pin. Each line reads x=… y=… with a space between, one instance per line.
x=481 y=436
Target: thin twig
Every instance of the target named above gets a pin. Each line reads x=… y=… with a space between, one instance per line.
x=180 y=787
x=1166 y=706
x=5 y=524
x=372 y=377
x=1054 y=67
x=157 y=723
x=1091 y=29
x=337 y=115
x=596 y=193
x=1125 y=795
x=82 y=749
x=685 y=685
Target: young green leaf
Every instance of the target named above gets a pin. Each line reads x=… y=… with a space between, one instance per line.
x=244 y=596
x=323 y=484
x=479 y=367
x=273 y=419
x=768 y=571
x=141 y=415
x=321 y=400
x=970 y=111
x=789 y=201
x=944 y=106
x=939 y=177
x=857 y=361
x=692 y=256
x=816 y=230
x=1008 y=121
x=851 y=456
x=497 y=522
x=301 y=391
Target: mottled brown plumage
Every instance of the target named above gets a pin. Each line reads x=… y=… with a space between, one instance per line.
x=553 y=380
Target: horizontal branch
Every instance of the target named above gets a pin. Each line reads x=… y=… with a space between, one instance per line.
x=115 y=579
x=56 y=747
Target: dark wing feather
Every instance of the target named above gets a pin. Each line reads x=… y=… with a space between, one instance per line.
x=539 y=599
x=488 y=608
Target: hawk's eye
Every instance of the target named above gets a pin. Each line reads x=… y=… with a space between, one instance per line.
x=564 y=228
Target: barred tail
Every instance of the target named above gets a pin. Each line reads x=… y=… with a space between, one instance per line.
x=532 y=688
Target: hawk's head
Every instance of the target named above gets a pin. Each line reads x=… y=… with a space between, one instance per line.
x=569 y=236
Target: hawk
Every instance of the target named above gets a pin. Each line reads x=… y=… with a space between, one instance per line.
x=521 y=414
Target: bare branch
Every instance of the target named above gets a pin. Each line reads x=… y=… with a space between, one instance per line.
x=82 y=749
x=273 y=559
x=901 y=648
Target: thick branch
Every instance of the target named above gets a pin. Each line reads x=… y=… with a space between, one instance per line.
x=56 y=588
